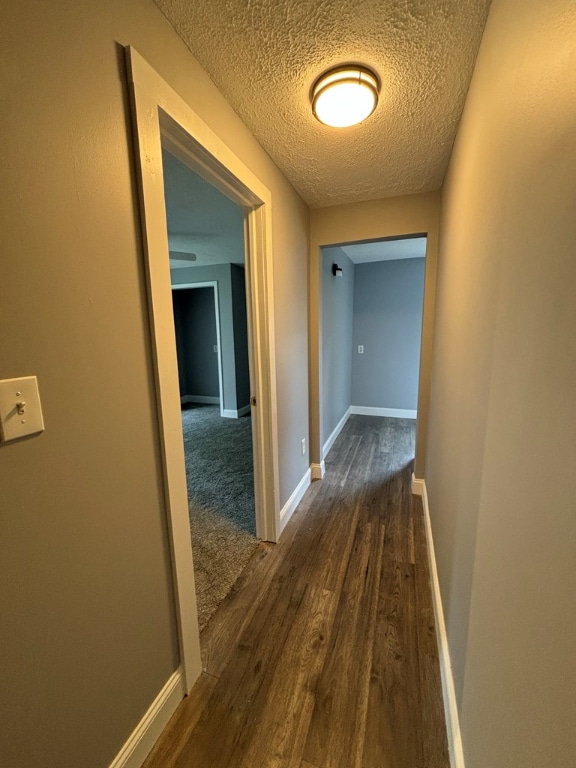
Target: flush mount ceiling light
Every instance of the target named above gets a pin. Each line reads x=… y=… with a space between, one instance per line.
x=345 y=96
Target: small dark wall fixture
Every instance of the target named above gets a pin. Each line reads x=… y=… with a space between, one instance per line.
x=336 y=270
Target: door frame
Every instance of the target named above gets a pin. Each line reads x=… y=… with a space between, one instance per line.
x=389 y=218
x=161 y=118
x=211 y=284
x=325 y=440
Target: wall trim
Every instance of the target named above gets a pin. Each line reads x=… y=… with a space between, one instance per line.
x=394 y=413
x=229 y=413
x=417 y=486
x=199 y=399
x=295 y=499
x=146 y=733
x=318 y=471
x=448 y=691
x=337 y=429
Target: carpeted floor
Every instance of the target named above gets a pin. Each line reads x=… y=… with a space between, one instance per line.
x=220 y=478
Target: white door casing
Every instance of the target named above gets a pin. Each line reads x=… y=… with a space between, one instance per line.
x=163 y=118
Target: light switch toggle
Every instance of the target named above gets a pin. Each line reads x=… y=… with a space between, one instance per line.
x=20 y=398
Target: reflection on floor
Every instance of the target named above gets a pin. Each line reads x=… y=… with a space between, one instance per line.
x=220 y=478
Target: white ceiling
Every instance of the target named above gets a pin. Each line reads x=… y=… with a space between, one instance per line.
x=386 y=250
x=204 y=226
x=269 y=52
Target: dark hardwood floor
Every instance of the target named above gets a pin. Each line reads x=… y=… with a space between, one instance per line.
x=324 y=654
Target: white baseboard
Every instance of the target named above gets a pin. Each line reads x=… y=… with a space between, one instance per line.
x=339 y=427
x=146 y=733
x=417 y=486
x=394 y=413
x=288 y=509
x=448 y=691
x=229 y=413
x=200 y=399
x=318 y=471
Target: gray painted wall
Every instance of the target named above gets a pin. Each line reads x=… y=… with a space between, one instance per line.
x=88 y=632
x=501 y=466
x=336 y=330
x=388 y=298
x=195 y=325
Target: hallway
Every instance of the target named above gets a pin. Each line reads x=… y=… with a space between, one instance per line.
x=324 y=654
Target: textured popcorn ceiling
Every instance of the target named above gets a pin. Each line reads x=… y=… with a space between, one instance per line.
x=264 y=56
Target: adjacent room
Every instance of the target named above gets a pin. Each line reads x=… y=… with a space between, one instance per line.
x=206 y=248
x=371 y=334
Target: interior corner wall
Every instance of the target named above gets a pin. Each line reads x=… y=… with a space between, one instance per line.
x=374 y=220
x=336 y=331
x=88 y=630
x=388 y=324
x=501 y=462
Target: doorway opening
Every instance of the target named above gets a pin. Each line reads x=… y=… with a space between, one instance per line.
x=162 y=120
x=209 y=299
x=372 y=296
x=198 y=345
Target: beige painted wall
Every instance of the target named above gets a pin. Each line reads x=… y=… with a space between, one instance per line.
x=391 y=217
x=501 y=467
x=87 y=634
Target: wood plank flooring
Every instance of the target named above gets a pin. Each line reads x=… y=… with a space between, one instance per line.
x=324 y=654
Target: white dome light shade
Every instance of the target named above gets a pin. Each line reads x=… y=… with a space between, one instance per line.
x=345 y=96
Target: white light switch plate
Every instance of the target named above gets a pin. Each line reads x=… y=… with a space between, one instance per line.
x=20 y=410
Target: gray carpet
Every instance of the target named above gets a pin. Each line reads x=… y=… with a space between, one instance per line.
x=220 y=478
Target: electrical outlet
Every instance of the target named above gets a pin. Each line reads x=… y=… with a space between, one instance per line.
x=360 y=349
x=303 y=446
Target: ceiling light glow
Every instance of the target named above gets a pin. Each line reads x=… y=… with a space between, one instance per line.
x=345 y=96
